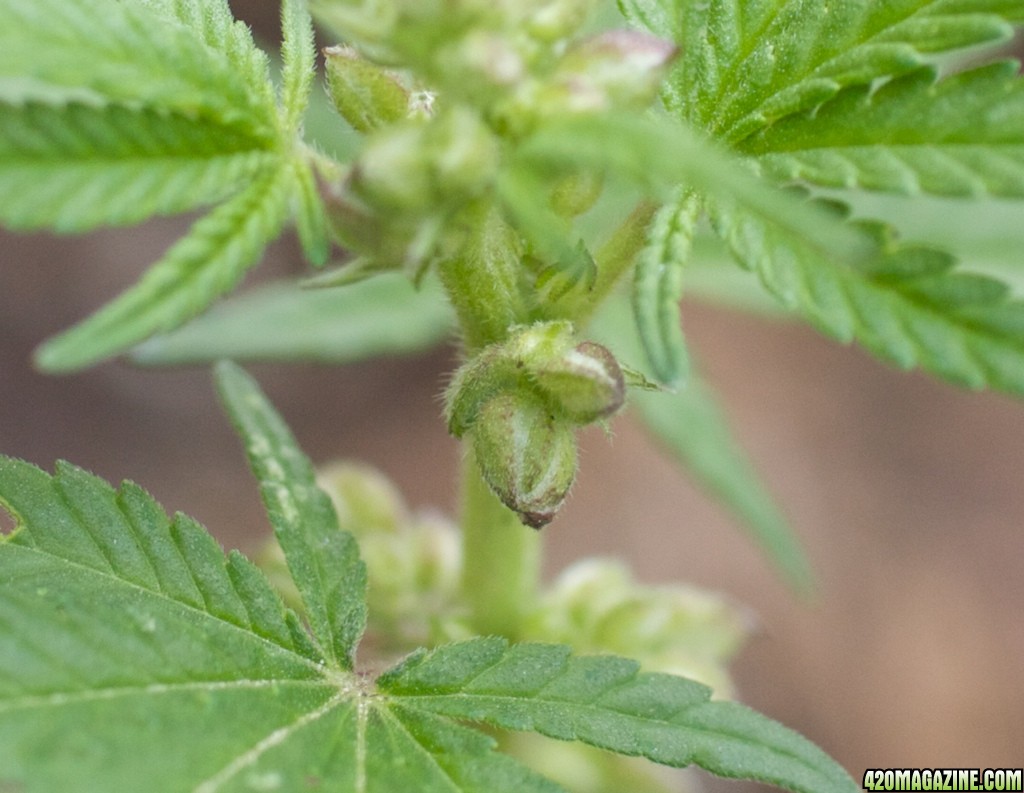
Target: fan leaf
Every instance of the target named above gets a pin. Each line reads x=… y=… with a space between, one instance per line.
x=963 y=135
x=74 y=167
x=907 y=304
x=604 y=701
x=748 y=64
x=202 y=266
x=323 y=560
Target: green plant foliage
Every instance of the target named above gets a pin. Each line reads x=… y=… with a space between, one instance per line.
x=114 y=112
x=690 y=425
x=109 y=115
x=299 y=67
x=299 y=55
x=324 y=562
x=963 y=135
x=187 y=56
x=603 y=701
x=908 y=305
x=310 y=216
x=115 y=616
x=379 y=316
x=75 y=166
x=987 y=236
x=212 y=23
x=497 y=134
x=748 y=64
x=663 y=155
x=658 y=288
x=796 y=85
x=124 y=630
x=209 y=261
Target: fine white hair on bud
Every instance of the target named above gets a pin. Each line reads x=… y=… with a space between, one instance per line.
x=526 y=455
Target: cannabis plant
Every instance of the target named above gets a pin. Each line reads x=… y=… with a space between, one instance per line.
x=534 y=178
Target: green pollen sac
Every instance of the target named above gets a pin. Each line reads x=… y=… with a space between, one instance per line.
x=586 y=383
x=418 y=166
x=583 y=381
x=479 y=380
x=392 y=172
x=558 y=19
x=526 y=455
x=575 y=193
x=580 y=383
x=367 y=96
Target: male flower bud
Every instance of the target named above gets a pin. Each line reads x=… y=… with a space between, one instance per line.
x=526 y=455
x=586 y=382
x=480 y=63
x=583 y=380
x=392 y=172
x=575 y=193
x=385 y=240
x=367 y=96
x=490 y=373
x=614 y=69
x=418 y=167
x=464 y=152
x=558 y=19
x=598 y=604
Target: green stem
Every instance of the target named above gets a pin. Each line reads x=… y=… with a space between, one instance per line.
x=482 y=278
x=501 y=558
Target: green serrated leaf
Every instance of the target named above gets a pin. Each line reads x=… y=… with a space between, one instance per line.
x=111 y=112
x=214 y=24
x=660 y=17
x=123 y=633
x=455 y=758
x=187 y=56
x=658 y=288
x=73 y=167
x=906 y=304
x=713 y=277
x=95 y=544
x=311 y=215
x=747 y=64
x=323 y=560
x=384 y=315
x=299 y=57
x=961 y=136
x=986 y=235
x=604 y=701
x=692 y=428
x=206 y=263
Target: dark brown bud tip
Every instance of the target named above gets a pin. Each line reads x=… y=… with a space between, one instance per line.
x=536 y=520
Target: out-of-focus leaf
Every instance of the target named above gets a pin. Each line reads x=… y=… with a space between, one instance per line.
x=383 y=315
x=692 y=428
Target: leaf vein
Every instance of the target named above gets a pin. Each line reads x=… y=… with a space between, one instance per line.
x=60 y=698
x=276 y=738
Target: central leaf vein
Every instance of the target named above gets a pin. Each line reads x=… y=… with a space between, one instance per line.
x=61 y=698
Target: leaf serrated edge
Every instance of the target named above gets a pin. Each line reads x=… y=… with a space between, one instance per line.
x=200 y=267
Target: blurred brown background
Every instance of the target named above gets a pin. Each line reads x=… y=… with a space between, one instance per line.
x=909 y=494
